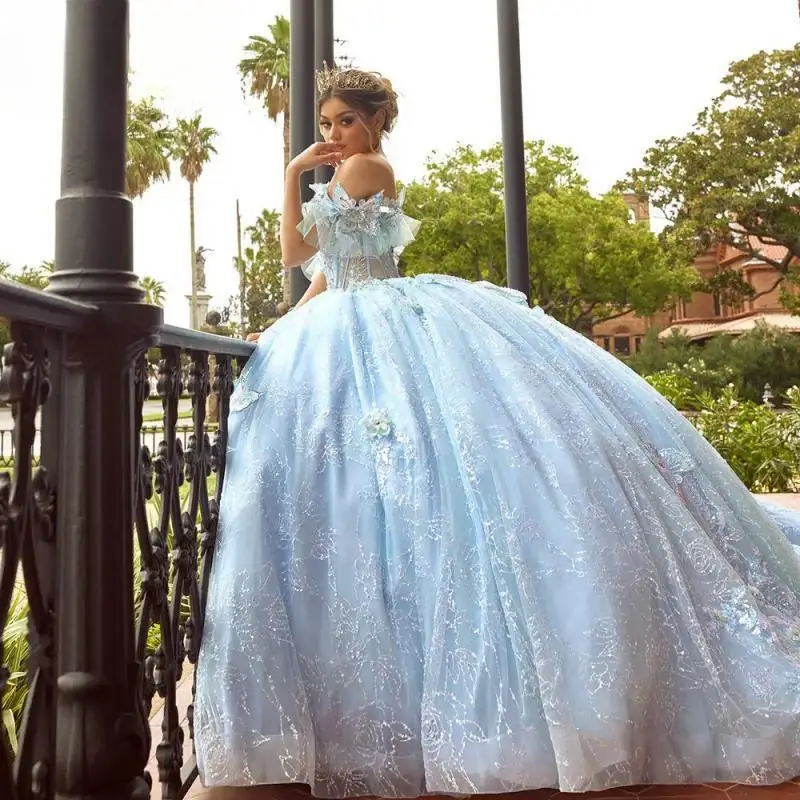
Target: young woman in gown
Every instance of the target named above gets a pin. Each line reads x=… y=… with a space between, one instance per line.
x=463 y=550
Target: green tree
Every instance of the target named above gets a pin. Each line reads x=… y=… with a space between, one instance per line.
x=588 y=263
x=263 y=270
x=750 y=361
x=193 y=148
x=214 y=323
x=657 y=354
x=764 y=355
x=35 y=277
x=149 y=146
x=154 y=291
x=735 y=177
x=265 y=74
x=263 y=275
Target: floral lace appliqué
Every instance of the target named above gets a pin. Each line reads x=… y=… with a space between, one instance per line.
x=739 y=613
x=377 y=424
x=243 y=397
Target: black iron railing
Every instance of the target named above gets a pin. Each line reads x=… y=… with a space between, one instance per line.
x=98 y=654
x=45 y=499
x=40 y=328
x=176 y=552
x=152 y=434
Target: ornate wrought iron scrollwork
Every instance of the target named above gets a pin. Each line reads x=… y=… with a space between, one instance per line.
x=199 y=467
x=163 y=658
x=222 y=387
x=176 y=545
x=27 y=534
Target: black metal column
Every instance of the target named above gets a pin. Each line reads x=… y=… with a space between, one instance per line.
x=323 y=57
x=94 y=229
x=513 y=146
x=102 y=733
x=301 y=104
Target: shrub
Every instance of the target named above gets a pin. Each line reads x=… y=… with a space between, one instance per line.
x=766 y=355
x=761 y=446
x=683 y=384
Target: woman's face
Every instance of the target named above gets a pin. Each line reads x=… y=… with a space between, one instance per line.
x=342 y=125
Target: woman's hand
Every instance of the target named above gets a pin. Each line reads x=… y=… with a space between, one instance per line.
x=253 y=337
x=318 y=155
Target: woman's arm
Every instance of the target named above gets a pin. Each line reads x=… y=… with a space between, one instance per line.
x=294 y=249
x=318 y=285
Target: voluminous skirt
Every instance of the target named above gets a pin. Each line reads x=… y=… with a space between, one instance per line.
x=464 y=550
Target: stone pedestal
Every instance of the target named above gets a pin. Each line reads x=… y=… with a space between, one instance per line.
x=203 y=301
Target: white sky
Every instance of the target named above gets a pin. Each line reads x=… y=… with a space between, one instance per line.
x=606 y=78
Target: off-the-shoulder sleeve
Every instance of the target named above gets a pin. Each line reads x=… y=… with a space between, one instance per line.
x=313 y=212
x=341 y=226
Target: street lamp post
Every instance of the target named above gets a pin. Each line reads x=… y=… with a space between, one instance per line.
x=301 y=105
x=323 y=57
x=102 y=737
x=513 y=146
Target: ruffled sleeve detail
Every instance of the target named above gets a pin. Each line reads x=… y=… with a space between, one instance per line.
x=339 y=226
x=318 y=263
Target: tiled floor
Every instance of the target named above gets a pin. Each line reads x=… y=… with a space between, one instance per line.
x=723 y=791
x=788 y=500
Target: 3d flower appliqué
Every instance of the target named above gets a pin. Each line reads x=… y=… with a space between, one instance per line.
x=243 y=397
x=378 y=424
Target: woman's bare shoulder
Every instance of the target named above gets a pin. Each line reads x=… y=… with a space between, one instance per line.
x=366 y=174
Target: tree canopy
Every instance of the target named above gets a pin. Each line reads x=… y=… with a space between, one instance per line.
x=735 y=176
x=588 y=261
x=263 y=275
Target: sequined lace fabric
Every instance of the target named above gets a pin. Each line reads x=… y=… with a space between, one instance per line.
x=357 y=240
x=463 y=550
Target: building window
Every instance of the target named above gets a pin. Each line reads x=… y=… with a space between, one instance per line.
x=637 y=344
x=606 y=343
x=622 y=345
x=717 y=306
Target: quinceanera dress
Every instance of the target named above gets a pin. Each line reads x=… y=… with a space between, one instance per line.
x=464 y=550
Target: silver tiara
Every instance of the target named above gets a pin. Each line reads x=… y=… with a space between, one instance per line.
x=328 y=79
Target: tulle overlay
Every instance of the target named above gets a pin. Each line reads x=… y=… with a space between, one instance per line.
x=464 y=550
x=357 y=239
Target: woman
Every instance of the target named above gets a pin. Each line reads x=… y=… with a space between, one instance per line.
x=463 y=550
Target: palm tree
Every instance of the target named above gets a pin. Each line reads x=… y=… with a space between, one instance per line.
x=154 y=292
x=149 y=147
x=265 y=73
x=193 y=148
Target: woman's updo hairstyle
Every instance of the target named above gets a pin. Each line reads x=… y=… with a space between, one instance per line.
x=365 y=92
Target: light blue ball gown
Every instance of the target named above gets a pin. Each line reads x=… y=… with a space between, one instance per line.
x=464 y=550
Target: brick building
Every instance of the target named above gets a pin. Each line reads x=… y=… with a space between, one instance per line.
x=704 y=315
x=623 y=335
